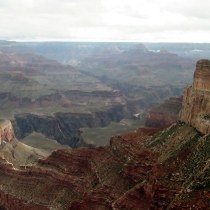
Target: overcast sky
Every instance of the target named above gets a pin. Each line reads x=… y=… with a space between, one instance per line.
x=106 y=20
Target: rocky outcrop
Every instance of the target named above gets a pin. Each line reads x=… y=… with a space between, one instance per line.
x=13 y=151
x=164 y=114
x=196 y=99
x=6 y=131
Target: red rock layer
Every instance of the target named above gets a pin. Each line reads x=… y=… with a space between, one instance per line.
x=164 y=114
x=196 y=99
x=146 y=181
x=137 y=171
x=69 y=175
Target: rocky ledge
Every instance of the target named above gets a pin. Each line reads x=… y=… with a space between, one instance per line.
x=196 y=101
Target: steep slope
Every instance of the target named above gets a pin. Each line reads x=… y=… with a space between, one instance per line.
x=145 y=169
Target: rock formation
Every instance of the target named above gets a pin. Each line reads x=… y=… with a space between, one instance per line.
x=164 y=114
x=196 y=100
x=13 y=151
x=6 y=131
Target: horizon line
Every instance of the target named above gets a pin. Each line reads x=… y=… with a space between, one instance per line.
x=102 y=41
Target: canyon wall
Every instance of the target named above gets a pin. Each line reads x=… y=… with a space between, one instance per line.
x=64 y=127
x=196 y=99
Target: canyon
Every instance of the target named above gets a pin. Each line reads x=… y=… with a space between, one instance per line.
x=164 y=168
x=58 y=100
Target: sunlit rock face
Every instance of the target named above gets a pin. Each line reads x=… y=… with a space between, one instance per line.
x=6 y=131
x=196 y=99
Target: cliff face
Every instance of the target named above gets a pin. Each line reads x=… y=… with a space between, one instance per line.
x=164 y=114
x=196 y=100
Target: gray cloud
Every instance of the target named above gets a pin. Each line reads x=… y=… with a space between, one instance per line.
x=140 y=20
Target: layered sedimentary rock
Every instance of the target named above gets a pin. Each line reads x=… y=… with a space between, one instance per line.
x=164 y=114
x=196 y=99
